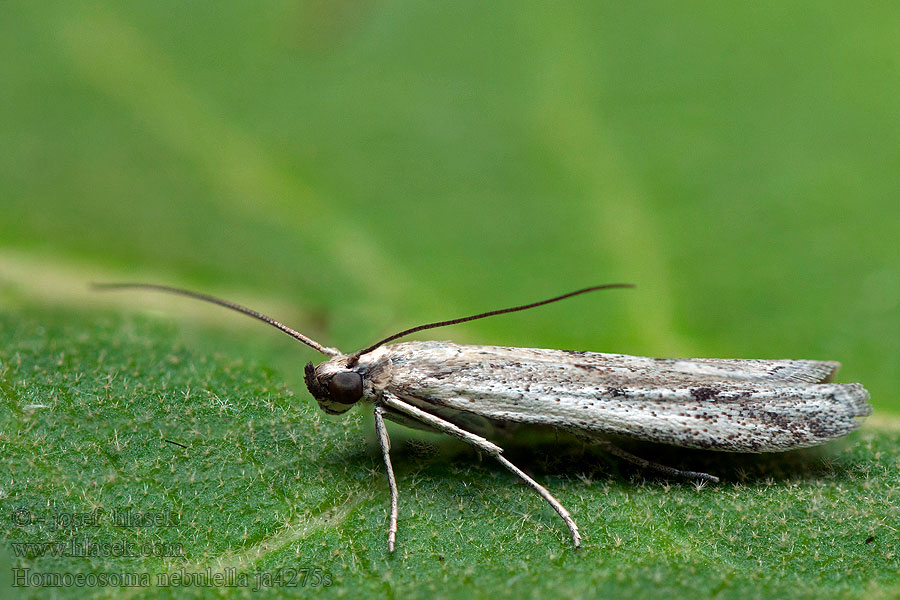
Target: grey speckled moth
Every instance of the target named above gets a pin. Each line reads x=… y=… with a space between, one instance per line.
x=471 y=391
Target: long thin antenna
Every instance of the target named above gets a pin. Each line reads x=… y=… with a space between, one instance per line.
x=213 y=300
x=355 y=356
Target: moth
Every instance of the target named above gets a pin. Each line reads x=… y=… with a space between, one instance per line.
x=732 y=405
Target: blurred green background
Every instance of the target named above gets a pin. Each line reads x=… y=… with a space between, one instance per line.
x=358 y=167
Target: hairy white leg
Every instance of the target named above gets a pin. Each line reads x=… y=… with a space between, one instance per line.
x=440 y=424
x=481 y=443
x=649 y=464
x=385 y=443
x=559 y=508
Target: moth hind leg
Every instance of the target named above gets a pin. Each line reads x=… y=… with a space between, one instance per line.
x=649 y=464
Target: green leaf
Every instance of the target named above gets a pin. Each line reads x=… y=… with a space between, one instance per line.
x=116 y=435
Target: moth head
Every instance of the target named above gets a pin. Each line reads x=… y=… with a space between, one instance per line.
x=335 y=388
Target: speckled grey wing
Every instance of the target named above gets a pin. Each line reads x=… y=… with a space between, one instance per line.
x=732 y=405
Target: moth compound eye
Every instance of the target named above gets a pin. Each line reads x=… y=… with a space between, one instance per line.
x=346 y=387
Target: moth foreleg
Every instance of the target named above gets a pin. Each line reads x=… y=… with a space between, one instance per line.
x=649 y=464
x=481 y=443
x=385 y=443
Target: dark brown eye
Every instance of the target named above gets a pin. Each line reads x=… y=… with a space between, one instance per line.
x=346 y=387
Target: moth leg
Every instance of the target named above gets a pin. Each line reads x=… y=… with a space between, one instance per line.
x=385 y=443
x=481 y=443
x=649 y=464
x=542 y=491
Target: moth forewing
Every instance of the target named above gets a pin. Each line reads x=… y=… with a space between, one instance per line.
x=717 y=404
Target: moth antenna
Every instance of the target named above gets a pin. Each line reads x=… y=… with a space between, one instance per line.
x=231 y=305
x=354 y=358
